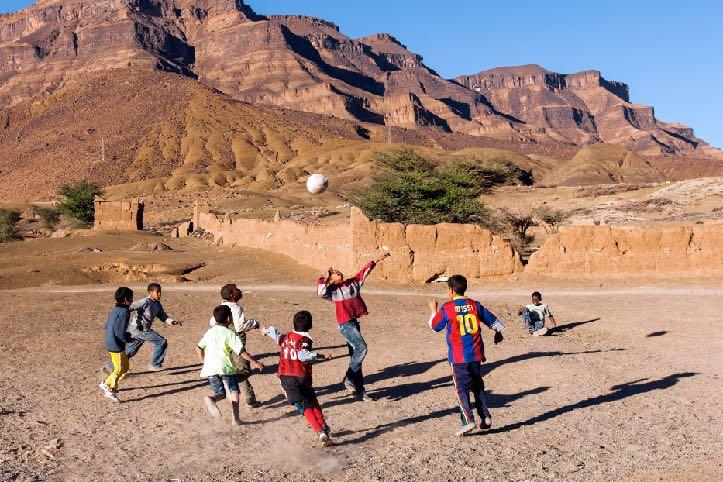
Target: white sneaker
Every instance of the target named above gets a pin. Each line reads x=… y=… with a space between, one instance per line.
x=112 y=396
x=365 y=397
x=104 y=387
x=541 y=332
x=465 y=429
x=212 y=407
x=325 y=440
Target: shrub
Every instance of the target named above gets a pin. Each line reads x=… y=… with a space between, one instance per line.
x=78 y=200
x=8 y=219
x=49 y=216
x=414 y=189
x=518 y=222
x=551 y=218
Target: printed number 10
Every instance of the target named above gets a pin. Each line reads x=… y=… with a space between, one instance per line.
x=468 y=324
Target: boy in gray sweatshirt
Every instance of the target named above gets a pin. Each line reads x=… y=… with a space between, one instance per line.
x=115 y=339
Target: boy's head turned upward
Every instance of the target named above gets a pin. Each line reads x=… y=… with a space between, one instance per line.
x=536 y=297
x=222 y=315
x=124 y=296
x=457 y=285
x=154 y=291
x=230 y=292
x=302 y=321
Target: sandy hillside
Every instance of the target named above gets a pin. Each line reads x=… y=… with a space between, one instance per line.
x=628 y=389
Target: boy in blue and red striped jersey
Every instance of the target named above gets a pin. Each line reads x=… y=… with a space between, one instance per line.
x=461 y=319
x=295 y=372
x=346 y=294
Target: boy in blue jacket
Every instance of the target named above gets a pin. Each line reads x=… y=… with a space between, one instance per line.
x=116 y=337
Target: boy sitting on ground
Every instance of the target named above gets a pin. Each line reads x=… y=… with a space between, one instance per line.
x=214 y=350
x=295 y=372
x=533 y=316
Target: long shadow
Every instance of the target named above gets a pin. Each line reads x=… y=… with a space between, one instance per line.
x=185 y=382
x=197 y=384
x=495 y=401
x=183 y=367
x=619 y=392
x=570 y=326
x=488 y=367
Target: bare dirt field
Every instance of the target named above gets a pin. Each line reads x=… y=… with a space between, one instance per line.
x=628 y=389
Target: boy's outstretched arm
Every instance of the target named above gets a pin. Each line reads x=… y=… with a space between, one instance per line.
x=245 y=355
x=492 y=322
x=437 y=318
x=322 y=286
x=362 y=275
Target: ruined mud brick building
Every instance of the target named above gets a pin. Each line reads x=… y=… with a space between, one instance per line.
x=118 y=215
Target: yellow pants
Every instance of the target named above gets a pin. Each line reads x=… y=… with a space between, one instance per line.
x=120 y=368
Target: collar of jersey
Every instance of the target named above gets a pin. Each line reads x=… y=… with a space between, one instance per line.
x=303 y=333
x=459 y=297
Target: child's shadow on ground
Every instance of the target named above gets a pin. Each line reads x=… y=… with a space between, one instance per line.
x=569 y=326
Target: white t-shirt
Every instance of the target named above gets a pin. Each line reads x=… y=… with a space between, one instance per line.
x=538 y=312
x=237 y=314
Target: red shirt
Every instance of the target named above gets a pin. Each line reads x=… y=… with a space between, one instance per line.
x=346 y=295
x=289 y=364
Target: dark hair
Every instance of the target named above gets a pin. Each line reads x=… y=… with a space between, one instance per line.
x=222 y=314
x=538 y=294
x=123 y=294
x=302 y=321
x=227 y=291
x=154 y=287
x=457 y=283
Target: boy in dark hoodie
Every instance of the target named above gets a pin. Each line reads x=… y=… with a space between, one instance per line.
x=115 y=339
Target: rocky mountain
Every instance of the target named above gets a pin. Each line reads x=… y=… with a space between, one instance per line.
x=307 y=64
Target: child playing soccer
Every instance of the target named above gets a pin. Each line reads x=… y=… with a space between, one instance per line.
x=214 y=350
x=350 y=306
x=461 y=319
x=533 y=316
x=115 y=339
x=231 y=296
x=295 y=372
x=148 y=309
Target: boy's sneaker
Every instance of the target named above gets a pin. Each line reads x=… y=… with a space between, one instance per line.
x=486 y=423
x=112 y=396
x=212 y=407
x=325 y=440
x=155 y=368
x=541 y=332
x=365 y=397
x=104 y=387
x=465 y=429
x=349 y=385
x=254 y=404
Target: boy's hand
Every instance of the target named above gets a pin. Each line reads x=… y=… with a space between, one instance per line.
x=259 y=366
x=176 y=322
x=433 y=305
x=498 y=337
x=385 y=256
x=327 y=357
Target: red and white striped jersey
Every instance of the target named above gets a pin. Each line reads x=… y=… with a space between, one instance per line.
x=294 y=359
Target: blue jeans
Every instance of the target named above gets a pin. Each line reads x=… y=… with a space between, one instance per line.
x=351 y=331
x=530 y=324
x=223 y=384
x=159 y=345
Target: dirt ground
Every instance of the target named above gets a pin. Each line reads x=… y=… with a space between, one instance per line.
x=628 y=389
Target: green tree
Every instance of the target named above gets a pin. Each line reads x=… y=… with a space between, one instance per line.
x=77 y=200
x=8 y=219
x=414 y=189
x=551 y=218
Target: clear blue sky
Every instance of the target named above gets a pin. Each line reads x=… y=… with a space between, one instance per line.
x=667 y=51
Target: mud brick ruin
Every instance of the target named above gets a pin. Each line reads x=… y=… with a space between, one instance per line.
x=118 y=215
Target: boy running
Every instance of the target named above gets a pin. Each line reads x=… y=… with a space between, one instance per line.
x=115 y=339
x=350 y=306
x=533 y=316
x=461 y=319
x=295 y=372
x=214 y=350
x=148 y=309
x=231 y=296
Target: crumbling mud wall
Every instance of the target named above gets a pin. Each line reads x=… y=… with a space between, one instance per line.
x=419 y=253
x=118 y=215
x=674 y=250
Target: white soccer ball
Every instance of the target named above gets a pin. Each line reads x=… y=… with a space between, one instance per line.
x=317 y=183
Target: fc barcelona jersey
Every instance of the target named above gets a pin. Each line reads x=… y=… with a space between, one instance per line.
x=461 y=318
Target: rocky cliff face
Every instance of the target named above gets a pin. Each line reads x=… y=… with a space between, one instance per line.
x=307 y=64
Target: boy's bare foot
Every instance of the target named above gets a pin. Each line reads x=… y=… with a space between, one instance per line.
x=155 y=368
x=325 y=440
x=465 y=429
x=212 y=407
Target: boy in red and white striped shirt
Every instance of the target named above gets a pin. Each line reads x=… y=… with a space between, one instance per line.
x=295 y=372
x=346 y=294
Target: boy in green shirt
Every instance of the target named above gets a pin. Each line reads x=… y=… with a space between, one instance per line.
x=214 y=350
